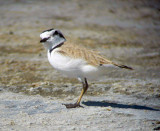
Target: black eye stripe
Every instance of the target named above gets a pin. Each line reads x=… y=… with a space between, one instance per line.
x=44 y=40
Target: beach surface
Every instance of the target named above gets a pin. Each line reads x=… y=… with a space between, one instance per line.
x=32 y=93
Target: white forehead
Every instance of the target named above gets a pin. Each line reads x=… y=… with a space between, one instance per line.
x=46 y=34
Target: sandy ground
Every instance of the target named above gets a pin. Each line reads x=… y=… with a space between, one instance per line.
x=32 y=92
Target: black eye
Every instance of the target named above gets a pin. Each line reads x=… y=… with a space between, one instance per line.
x=58 y=33
x=55 y=33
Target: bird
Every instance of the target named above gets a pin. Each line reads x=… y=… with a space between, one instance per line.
x=75 y=61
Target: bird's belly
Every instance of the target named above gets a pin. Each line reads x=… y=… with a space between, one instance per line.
x=73 y=67
x=68 y=66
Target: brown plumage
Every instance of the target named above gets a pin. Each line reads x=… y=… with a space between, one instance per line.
x=92 y=57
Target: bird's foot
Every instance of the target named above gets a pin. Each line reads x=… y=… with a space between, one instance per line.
x=75 y=105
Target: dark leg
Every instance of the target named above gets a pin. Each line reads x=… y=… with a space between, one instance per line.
x=77 y=104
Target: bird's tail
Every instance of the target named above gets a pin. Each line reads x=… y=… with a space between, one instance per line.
x=123 y=66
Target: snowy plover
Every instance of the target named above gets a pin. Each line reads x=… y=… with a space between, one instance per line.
x=75 y=61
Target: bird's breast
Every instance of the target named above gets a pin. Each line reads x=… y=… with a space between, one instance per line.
x=64 y=63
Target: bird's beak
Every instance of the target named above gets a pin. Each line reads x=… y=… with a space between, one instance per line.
x=44 y=40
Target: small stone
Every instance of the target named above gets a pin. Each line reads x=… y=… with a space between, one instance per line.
x=12 y=123
x=108 y=109
x=11 y=32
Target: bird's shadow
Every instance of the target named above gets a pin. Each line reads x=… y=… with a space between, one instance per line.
x=117 y=105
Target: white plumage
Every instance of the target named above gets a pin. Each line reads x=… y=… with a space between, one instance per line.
x=75 y=68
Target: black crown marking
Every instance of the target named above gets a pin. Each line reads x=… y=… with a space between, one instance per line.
x=47 y=30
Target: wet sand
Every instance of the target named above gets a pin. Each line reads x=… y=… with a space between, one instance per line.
x=32 y=92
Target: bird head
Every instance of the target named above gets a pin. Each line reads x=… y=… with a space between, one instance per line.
x=52 y=38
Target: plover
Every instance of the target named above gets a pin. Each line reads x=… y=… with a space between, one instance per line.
x=75 y=61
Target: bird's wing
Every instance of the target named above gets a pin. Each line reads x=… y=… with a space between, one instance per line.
x=91 y=57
